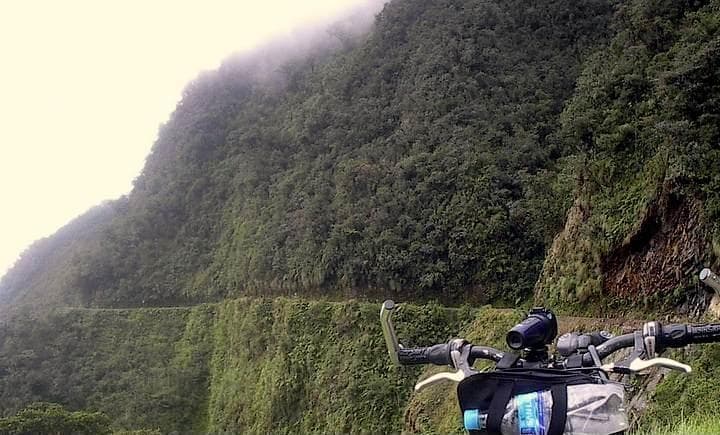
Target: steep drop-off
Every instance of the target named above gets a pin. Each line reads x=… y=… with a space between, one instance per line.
x=246 y=365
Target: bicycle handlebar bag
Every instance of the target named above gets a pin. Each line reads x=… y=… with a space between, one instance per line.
x=541 y=402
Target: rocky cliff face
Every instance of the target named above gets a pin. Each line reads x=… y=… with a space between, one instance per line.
x=655 y=266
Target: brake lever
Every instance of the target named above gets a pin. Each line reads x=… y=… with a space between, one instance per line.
x=624 y=365
x=645 y=346
x=638 y=365
x=459 y=355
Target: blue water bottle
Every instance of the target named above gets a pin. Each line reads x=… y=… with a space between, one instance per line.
x=474 y=419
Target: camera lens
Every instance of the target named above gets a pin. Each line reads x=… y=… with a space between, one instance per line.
x=537 y=330
x=514 y=340
x=530 y=332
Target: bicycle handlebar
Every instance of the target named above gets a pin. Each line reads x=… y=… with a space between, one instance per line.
x=669 y=336
x=574 y=351
x=652 y=340
x=439 y=354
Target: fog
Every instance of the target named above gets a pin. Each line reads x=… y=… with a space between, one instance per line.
x=85 y=85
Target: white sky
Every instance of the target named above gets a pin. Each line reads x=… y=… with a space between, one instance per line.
x=84 y=86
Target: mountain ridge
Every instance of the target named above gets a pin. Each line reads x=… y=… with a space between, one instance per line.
x=384 y=165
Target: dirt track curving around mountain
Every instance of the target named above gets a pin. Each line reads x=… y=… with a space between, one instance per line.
x=565 y=323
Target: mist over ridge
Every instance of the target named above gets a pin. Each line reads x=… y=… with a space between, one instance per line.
x=364 y=165
x=95 y=161
x=435 y=157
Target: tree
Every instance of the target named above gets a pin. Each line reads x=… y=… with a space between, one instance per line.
x=51 y=418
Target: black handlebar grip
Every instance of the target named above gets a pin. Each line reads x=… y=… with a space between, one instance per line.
x=675 y=335
x=709 y=333
x=612 y=345
x=438 y=354
x=679 y=335
x=484 y=352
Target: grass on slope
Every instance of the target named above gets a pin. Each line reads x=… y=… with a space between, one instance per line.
x=707 y=425
x=292 y=366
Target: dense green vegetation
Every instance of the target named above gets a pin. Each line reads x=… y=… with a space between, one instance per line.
x=46 y=418
x=246 y=365
x=417 y=160
x=645 y=117
x=135 y=366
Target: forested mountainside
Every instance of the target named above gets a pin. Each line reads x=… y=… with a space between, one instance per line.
x=419 y=160
x=646 y=121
